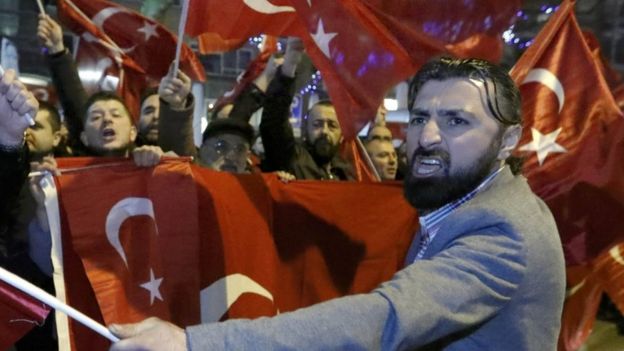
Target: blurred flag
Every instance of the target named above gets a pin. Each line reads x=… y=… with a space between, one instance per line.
x=573 y=136
x=141 y=49
x=19 y=313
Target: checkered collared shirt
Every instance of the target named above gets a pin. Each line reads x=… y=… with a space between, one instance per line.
x=430 y=223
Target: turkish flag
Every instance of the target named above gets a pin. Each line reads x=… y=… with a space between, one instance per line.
x=192 y=245
x=142 y=48
x=241 y=19
x=363 y=48
x=573 y=134
x=583 y=295
x=253 y=71
x=353 y=151
x=19 y=313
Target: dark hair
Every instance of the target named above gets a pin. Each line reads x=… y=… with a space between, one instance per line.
x=502 y=94
x=229 y=126
x=53 y=115
x=105 y=96
x=147 y=93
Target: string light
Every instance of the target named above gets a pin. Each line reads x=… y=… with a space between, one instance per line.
x=512 y=39
x=313 y=84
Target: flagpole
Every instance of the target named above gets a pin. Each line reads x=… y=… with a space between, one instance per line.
x=181 y=27
x=40 y=5
x=29 y=118
x=53 y=302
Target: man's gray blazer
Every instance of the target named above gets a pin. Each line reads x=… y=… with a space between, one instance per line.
x=492 y=279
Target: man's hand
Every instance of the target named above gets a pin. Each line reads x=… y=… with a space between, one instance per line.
x=151 y=334
x=292 y=57
x=175 y=90
x=15 y=102
x=147 y=155
x=47 y=164
x=50 y=34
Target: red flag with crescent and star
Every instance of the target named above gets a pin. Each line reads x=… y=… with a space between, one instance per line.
x=141 y=48
x=192 y=245
x=573 y=134
x=363 y=48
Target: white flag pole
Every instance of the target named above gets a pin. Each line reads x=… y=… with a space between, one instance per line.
x=40 y=5
x=181 y=27
x=53 y=302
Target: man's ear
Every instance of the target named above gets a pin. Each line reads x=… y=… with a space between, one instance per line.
x=83 y=138
x=56 y=138
x=511 y=137
x=133 y=133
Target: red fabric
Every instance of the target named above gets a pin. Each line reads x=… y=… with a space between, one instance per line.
x=233 y=19
x=375 y=44
x=353 y=152
x=579 y=310
x=19 y=313
x=610 y=270
x=148 y=47
x=583 y=186
x=286 y=240
x=212 y=42
x=253 y=71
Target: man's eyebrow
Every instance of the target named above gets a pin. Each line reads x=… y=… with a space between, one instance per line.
x=454 y=112
x=420 y=111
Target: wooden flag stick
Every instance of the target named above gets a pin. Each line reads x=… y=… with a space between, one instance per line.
x=53 y=302
x=181 y=27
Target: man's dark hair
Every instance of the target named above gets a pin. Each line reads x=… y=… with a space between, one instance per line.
x=502 y=94
x=147 y=93
x=229 y=126
x=105 y=96
x=54 y=118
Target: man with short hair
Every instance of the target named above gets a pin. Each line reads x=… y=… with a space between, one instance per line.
x=45 y=135
x=148 y=117
x=108 y=127
x=384 y=158
x=484 y=272
x=317 y=156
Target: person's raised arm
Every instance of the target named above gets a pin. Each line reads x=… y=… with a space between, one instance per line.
x=175 y=121
x=275 y=129
x=72 y=94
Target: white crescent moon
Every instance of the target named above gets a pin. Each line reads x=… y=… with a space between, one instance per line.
x=103 y=15
x=124 y=209
x=217 y=299
x=265 y=6
x=616 y=254
x=544 y=76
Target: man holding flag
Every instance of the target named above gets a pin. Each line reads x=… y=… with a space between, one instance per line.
x=484 y=272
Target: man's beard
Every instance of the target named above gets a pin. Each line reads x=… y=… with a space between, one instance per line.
x=322 y=150
x=431 y=193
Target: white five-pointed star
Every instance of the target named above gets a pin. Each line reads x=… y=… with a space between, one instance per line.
x=543 y=144
x=153 y=287
x=149 y=30
x=322 y=39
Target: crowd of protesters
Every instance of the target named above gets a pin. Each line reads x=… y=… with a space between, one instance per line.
x=101 y=125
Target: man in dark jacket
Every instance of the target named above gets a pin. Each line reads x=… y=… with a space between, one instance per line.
x=316 y=157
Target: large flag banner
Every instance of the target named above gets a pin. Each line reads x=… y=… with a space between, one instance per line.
x=573 y=136
x=141 y=48
x=19 y=313
x=192 y=245
x=363 y=48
